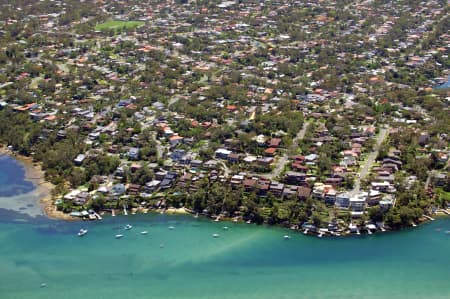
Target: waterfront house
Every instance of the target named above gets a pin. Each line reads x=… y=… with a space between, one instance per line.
x=342 y=200
x=262 y=187
x=329 y=196
x=152 y=186
x=303 y=192
x=276 y=189
x=358 y=204
x=373 y=197
x=118 y=189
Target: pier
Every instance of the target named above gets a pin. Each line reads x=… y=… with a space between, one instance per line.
x=428 y=217
x=98 y=216
x=444 y=211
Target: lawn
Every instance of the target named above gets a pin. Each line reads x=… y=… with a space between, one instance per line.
x=114 y=25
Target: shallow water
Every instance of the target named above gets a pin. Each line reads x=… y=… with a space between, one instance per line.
x=12 y=178
x=246 y=261
x=16 y=192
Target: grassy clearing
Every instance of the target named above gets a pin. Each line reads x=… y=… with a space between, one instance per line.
x=114 y=25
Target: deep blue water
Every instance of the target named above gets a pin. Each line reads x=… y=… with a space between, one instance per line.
x=12 y=178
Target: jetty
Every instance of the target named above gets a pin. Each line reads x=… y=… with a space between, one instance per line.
x=98 y=216
x=444 y=211
x=428 y=217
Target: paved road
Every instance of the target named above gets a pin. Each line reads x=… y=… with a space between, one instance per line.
x=364 y=170
x=283 y=160
x=159 y=149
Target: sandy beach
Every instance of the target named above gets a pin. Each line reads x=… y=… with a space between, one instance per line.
x=39 y=201
x=176 y=211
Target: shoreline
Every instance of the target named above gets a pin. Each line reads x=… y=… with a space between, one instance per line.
x=43 y=188
x=187 y=212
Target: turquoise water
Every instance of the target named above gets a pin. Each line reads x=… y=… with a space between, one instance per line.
x=246 y=261
x=12 y=178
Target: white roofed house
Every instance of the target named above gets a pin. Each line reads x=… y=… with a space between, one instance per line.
x=236 y=180
x=79 y=159
x=222 y=153
x=358 y=204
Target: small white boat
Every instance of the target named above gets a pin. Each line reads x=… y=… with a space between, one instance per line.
x=225 y=227
x=82 y=232
x=118 y=236
x=286 y=237
x=216 y=235
x=320 y=235
x=128 y=227
x=305 y=232
x=43 y=285
x=248 y=222
x=161 y=245
x=447 y=232
x=196 y=215
x=171 y=227
x=144 y=232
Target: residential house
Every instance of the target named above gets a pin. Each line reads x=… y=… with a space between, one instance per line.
x=358 y=204
x=79 y=159
x=118 y=189
x=342 y=200
x=133 y=153
x=303 y=192
x=276 y=188
x=222 y=153
x=152 y=186
x=294 y=178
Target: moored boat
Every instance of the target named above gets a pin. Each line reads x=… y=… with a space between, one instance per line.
x=144 y=232
x=216 y=235
x=118 y=236
x=128 y=227
x=286 y=237
x=82 y=232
